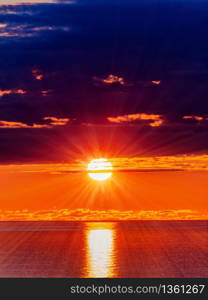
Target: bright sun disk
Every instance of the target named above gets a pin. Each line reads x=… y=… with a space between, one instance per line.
x=97 y=166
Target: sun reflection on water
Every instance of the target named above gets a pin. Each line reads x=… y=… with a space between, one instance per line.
x=100 y=259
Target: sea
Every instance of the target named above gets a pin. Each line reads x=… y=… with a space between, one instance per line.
x=136 y=249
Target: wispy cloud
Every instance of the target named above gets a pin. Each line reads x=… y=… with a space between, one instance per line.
x=109 y=80
x=11 y=124
x=31 y=2
x=38 y=74
x=9 y=30
x=51 y=122
x=14 y=30
x=156 y=82
x=101 y=215
x=196 y=118
x=120 y=164
x=56 y=121
x=118 y=80
x=46 y=92
x=177 y=162
x=10 y=92
x=153 y=119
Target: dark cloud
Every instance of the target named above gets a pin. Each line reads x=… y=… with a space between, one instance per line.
x=90 y=61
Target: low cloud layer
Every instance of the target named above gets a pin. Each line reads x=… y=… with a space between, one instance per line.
x=100 y=215
x=179 y=162
x=135 y=164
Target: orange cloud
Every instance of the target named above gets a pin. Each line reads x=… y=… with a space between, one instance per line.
x=177 y=162
x=46 y=92
x=53 y=121
x=57 y=121
x=114 y=79
x=155 y=120
x=120 y=164
x=37 y=74
x=110 y=79
x=101 y=215
x=156 y=123
x=156 y=82
x=24 y=30
x=10 y=124
x=9 y=92
x=197 y=118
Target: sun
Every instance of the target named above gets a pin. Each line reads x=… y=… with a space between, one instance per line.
x=100 y=168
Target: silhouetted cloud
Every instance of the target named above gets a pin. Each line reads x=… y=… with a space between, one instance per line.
x=120 y=164
x=177 y=162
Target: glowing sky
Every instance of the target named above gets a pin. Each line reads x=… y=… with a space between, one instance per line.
x=123 y=80
x=160 y=188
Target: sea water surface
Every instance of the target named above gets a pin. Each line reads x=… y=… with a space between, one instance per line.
x=104 y=249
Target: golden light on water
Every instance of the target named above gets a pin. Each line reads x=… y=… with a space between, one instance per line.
x=100 y=250
x=100 y=168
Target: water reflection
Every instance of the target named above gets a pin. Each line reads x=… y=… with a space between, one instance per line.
x=122 y=249
x=100 y=258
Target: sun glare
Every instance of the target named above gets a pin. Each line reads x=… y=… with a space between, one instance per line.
x=100 y=168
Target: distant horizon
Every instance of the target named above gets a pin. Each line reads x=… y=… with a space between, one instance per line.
x=103 y=221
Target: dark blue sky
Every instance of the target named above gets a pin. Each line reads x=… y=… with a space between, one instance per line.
x=55 y=62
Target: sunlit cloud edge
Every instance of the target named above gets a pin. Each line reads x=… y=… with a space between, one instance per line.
x=120 y=164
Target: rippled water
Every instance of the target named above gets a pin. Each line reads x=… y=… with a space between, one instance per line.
x=108 y=249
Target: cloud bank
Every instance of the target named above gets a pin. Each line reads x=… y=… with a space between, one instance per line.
x=101 y=215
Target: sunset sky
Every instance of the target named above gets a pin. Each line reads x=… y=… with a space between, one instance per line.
x=125 y=80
